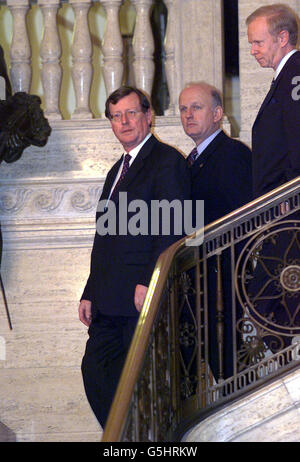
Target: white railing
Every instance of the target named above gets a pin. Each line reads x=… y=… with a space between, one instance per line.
x=82 y=68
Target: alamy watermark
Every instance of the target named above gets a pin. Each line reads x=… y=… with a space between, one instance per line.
x=296 y=90
x=160 y=218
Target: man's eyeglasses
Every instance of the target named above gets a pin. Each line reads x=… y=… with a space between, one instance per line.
x=130 y=114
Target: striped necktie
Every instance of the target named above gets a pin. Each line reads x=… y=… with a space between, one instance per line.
x=192 y=157
x=123 y=173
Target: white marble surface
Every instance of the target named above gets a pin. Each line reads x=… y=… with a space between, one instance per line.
x=269 y=415
x=48 y=201
x=47 y=205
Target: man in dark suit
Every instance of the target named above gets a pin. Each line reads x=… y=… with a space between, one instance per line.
x=273 y=36
x=221 y=169
x=221 y=176
x=123 y=260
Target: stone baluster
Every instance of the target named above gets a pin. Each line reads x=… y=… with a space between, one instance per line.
x=170 y=68
x=20 y=50
x=50 y=54
x=143 y=46
x=82 y=70
x=112 y=47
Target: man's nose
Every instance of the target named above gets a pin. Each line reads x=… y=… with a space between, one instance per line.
x=189 y=113
x=124 y=118
x=253 y=49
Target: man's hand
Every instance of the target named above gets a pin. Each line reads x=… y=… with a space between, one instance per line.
x=85 y=312
x=139 y=296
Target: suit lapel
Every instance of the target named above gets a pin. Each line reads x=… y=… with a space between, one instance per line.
x=268 y=96
x=208 y=151
x=137 y=164
x=110 y=179
x=274 y=87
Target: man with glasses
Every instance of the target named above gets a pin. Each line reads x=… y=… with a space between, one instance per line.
x=122 y=263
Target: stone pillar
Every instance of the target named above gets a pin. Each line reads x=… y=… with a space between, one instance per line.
x=112 y=47
x=20 y=51
x=170 y=56
x=143 y=46
x=82 y=70
x=194 y=47
x=50 y=54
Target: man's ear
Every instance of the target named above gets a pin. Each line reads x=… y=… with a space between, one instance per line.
x=284 y=37
x=218 y=114
x=149 y=117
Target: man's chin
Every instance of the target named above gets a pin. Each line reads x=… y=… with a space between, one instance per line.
x=262 y=63
x=190 y=131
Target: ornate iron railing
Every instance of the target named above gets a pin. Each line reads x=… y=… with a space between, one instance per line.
x=219 y=319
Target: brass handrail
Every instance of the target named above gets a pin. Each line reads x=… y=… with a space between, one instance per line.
x=140 y=341
x=139 y=344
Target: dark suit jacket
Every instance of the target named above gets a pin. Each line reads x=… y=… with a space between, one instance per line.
x=120 y=262
x=221 y=176
x=276 y=160
x=276 y=133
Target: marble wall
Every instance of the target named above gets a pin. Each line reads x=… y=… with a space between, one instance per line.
x=47 y=206
x=48 y=201
x=268 y=415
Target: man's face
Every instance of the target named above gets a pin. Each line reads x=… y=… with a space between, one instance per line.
x=265 y=47
x=133 y=124
x=198 y=117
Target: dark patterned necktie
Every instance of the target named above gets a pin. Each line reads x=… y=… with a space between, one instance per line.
x=123 y=173
x=192 y=157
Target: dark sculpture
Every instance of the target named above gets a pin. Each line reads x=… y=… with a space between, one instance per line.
x=22 y=123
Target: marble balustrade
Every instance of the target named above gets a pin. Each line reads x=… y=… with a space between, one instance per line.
x=48 y=198
x=82 y=66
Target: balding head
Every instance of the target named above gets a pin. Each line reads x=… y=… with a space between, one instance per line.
x=201 y=110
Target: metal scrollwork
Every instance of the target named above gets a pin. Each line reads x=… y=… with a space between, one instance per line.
x=187 y=336
x=269 y=289
x=290 y=278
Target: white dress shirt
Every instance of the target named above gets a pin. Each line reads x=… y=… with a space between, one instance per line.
x=205 y=143
x=282 y=63
x=134 y=152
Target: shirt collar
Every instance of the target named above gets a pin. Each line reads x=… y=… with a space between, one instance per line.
x=134 y=152
x=282 y=63
x=206 y=142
